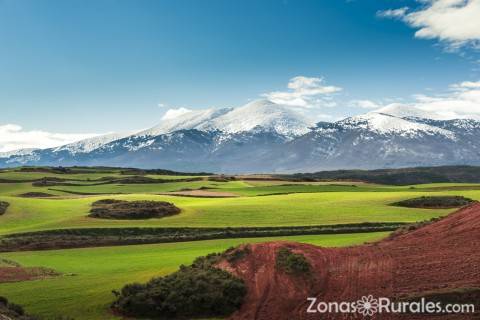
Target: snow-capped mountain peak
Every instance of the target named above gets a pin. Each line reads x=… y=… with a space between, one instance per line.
x=186 y=121
x=19 y=152
x=403 y=111
x=90 y=144
x=419 y=112
x=262 y=136
x=388 y=124
x=263 y=114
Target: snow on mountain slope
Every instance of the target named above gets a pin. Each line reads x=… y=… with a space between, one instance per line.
x=262 y=114
x=186 y=121
x=90 y=144
x=20 y=152
x=387 y=124
x=262 y=136
x=417 y=112
x=403 y=111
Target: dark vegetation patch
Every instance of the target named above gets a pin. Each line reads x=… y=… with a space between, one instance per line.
x=235 y=254
x=134 y=171
x=131 y=180
x=404 y=176
x=11 y=271
x=53 y=181
x=80 y=193
x=35 y=195
x=133 y=176
x=411 y=227
x=56 y=170
x=94 y=237
x=147 y=180
x=222 y=178
x=132 y=210
x=292 y=263
x=3 y=207
x=197 y=291
x=434 y=202
x=12 y=311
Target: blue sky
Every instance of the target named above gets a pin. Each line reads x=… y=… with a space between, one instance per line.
x=96 y=66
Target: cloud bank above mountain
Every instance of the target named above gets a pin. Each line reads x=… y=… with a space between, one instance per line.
x=305 y=92
x=461 y=101
x=14 y=137
x=454 y=22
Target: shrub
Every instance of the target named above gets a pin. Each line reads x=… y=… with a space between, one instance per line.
x=3 y=207
x=292 y=263
x=16 y=308
x=12 y=311
x=412 y=227
x=434 y=202
x=120 y=209
x=199 y=290
x=233 y=255
x=35 y=195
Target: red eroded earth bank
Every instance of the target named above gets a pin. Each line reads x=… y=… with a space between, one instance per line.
x=442 y=257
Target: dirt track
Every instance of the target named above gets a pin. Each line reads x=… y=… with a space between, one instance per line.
x=439 y=257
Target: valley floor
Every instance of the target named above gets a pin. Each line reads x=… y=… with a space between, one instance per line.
x=43 y=200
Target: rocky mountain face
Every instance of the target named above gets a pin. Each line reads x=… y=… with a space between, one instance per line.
x=266 y=137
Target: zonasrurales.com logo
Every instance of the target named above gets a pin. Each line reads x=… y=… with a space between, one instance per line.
x=368 y=305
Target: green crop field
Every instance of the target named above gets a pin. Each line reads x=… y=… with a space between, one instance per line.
x=278 y=210
x=89 y=275
x=83 y=290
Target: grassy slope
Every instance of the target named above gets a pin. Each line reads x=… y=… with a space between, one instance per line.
x=278 y=210
x=148 y=188
x=87 y=293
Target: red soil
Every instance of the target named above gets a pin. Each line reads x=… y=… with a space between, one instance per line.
x=441 y=256
x=13 y=272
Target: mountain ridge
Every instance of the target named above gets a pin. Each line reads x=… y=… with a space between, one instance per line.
x=262 y=136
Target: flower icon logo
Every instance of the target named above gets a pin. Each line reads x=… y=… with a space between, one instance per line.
x=367 y=306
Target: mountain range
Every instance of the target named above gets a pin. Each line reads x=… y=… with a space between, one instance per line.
x=263 y=136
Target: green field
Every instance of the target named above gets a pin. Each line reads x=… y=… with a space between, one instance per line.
x=83 y=291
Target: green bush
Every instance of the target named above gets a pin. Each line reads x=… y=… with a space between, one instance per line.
x=143 y=209
x=233 y=254
x=12 y=311
x=292 y=263
x=432 y=202
x=196 y=291
x=3 y=207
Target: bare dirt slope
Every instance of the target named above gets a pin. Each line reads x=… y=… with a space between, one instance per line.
x=11 y=271
x=441 y=257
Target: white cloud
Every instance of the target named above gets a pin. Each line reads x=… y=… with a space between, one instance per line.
x=304 y=92
x=455 y=22
x=393 y=13
x=462 y=101
x=365 y=104
x=14 y=137
x=175 y=113
x=465 y=85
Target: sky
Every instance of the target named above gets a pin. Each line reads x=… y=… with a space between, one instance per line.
x=71 y=69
